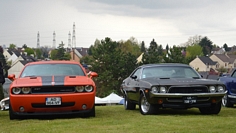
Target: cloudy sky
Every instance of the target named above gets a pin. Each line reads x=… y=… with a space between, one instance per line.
x=170 y=22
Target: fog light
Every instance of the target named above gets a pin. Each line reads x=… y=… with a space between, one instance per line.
x=22 y=109
x=160 y=101
x=84 y=106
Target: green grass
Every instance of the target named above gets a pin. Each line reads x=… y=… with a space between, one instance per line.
x=114 y=119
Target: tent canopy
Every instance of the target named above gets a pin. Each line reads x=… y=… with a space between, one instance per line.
x=112 y=98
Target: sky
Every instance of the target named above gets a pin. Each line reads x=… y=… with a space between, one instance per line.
x=170 y=22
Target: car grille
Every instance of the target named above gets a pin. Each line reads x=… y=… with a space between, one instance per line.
x=52 y=89
x=188 y=89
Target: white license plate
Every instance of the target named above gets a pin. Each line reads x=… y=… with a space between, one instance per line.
x=53 y=101
x=190 y=99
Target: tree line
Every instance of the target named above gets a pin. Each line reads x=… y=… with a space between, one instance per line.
x=115 y=60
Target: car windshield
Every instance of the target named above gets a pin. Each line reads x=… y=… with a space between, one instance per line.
x=169 y=72
x=52 y=69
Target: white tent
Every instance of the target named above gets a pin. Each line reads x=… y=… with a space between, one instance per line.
x=110 y=99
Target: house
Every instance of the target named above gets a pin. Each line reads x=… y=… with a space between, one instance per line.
x=77 y=53
x=224 y=60
x=218 y=51
x=17 y=67
x=204 y=64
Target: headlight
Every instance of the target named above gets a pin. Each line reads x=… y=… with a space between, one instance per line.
x=154 y=90
x=79 y=88
x=212 y=89
x=220 y=89
x=162 y=89
x=88 y=88
x=16 y=90
x=26 y=90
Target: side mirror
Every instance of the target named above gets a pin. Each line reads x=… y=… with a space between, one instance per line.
x=93 y=74
x=134 y=76
x=11 y=77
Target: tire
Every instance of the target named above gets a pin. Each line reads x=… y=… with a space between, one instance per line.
x=145 y=107
x=12 y=116
x=89 y=114
x=129 y=105
x=226 y=102
x=214 y=109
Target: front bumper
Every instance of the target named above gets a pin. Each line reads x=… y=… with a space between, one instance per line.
x=178 y=100
x=71 y=103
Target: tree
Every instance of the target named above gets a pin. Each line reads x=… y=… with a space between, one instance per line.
x=54 y=54
x=175 y=55
x=193 y=51
x=61 y=51
x=225 y=46
x=143 y=48
x=4 y=63
x=12 y=46
x=38 y=53
x=111 y=64
x=167 y=48
x=24 y=46
x=193 y=40
x=206 y=45
x=131 y=45
x=29 y=51
x=151 y=55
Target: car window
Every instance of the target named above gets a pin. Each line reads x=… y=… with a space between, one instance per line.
x=137 y=73
x=234 y=74
x=52 y=69
x=169 y=72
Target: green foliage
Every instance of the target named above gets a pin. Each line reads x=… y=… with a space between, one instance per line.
x=4 y=63
x=206 y=45
x=225 y=46
x=130 y=46
x=112 y=65
x=175 y=55
x=192 y=51
x=12 y=46
x=143 y=48
x=24 y=46
x=152 y=55
x=29 y=51
x=38 y=53
x=60 y=53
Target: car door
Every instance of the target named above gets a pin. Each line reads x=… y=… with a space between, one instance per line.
x=132 y=85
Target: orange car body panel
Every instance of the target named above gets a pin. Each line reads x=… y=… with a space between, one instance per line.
x=72 y=101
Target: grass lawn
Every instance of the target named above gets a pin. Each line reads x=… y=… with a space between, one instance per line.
x=114 y=119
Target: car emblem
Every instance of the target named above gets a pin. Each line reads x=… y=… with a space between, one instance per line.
x=53 y=83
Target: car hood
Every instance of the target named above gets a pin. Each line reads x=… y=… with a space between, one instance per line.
x=52 y=81
x=180 y=81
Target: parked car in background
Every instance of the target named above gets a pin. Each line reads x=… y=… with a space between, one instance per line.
x=230 y=82
x=6 y=86
x=52 y=88
x=170 y=85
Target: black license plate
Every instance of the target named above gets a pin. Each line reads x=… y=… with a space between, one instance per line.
x=190 y=99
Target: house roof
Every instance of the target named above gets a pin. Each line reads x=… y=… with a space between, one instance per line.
x=28 y=58
x=24 y=62
x=207 y=60
x=223 y=57
x=83 y=51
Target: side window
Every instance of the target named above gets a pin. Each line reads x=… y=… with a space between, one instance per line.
x=234 y=74
x=137 y=73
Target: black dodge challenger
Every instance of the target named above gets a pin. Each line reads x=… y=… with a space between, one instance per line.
x=171 y=85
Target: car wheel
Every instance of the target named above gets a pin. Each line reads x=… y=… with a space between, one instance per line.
x=129 y=105
x=226 y=102
x=214 y=109
x=145 y=107
x=12 y=116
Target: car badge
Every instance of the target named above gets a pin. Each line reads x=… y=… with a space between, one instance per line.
x=53 y=83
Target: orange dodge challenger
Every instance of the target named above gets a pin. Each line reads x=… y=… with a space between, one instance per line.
x=52 y=88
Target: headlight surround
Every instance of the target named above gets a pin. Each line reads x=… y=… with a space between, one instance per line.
x=154 y=89
x=16 y=90
x=162 y=89
x=79 y=88
x=212 y=89
x=88 y=88
x=25 y=90
x=220 y=89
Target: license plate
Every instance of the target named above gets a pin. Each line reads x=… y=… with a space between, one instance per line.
x=53 y=101
x=190 y=99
